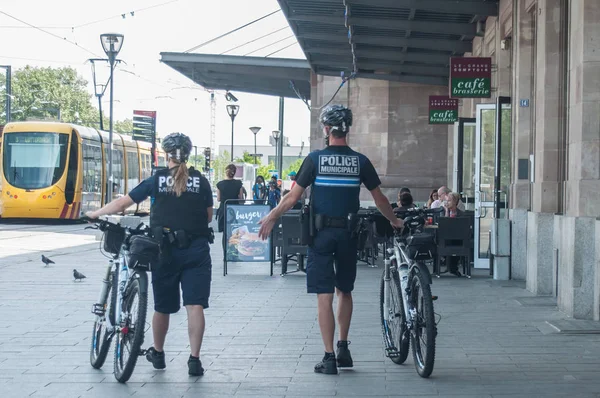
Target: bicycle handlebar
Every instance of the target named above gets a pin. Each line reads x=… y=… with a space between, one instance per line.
x=104 y=224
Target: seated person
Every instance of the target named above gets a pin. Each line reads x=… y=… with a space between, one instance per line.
x=433 y=196
x=405 y=202
x=443 y=193
x=398 y=204
x=453 y=211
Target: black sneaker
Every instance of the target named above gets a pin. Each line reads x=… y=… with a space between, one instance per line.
x=344 y=359
x=327 y=366
x=157 y=358
x=195 y=367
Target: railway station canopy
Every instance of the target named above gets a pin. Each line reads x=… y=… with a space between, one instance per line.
x=270 y=76
x=398 y=40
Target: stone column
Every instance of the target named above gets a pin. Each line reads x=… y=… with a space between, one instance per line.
x=583 y=185
x=522 y=84
x=547 y=107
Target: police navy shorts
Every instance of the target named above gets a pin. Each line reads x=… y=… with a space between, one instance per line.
x=322 y=276
x=192 y=269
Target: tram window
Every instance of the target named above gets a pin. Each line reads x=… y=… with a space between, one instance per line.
x=118 y=175
x=92 y=167
x=133 y=170
x=72 y=169
x=162 y=162
x=146 y=166
x=34 y=160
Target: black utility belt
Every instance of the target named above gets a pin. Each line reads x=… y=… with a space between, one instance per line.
x=182 y=239
x=350 y=222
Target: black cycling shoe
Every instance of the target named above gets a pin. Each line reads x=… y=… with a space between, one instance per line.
x=195 y=367
x=327 y=366
x=157 y=358
x=344 y=359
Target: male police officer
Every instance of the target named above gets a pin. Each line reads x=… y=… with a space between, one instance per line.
x=335 y=174
x=182 y=206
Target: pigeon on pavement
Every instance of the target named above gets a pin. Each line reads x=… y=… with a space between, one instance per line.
x=46 y=260
x=78 y=275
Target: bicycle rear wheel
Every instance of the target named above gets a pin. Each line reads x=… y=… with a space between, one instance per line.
x=424 y=329
x=393 y=322
x=131 y=336
x=101 y=338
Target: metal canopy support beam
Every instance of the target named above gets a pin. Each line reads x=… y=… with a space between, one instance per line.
x=415 y=79
x=396 y=67
x=476 y=7
x=393 y=24
x=440 y=59
x=430 y=44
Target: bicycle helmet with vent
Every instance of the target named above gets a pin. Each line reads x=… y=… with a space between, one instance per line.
x=178 y=146
x=337 y=116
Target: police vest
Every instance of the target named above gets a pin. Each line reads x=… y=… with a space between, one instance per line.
x=336 y=188
x=188 y=211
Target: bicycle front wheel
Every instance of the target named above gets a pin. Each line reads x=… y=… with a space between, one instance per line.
x=131 y=336
x=101 y=337
x=393 y=320
x=423 y=328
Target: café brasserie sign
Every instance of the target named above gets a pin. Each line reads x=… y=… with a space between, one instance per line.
x=470 y=77
x=442 y=110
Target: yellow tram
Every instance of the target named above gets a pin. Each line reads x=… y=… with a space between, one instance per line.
x=58 y=170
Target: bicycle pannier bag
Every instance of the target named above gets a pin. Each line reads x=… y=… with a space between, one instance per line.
x=143 y=252
x=113 y=239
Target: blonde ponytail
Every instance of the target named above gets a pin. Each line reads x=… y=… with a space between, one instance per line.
x=180 y=178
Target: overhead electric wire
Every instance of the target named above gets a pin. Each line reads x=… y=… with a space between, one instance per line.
x=49 y=33
x=230 y=32
x=121 y=14
x=252 y=41
x=281 y=49
x=268 y=45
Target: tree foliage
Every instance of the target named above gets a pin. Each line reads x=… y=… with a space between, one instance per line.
x=293 y=167
x=40 y=93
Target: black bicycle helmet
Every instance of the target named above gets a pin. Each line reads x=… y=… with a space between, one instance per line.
x=178 y=146
x=337 y=116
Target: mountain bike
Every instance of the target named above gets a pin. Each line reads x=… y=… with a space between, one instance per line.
x=406 y=303
x=121 y=308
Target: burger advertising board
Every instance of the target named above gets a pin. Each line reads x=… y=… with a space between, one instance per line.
x=241 y=226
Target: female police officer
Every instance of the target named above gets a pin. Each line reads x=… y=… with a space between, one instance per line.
x=182 y=206
x=335 y=174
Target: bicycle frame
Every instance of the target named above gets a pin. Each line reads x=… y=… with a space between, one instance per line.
x=399 y=254
x=119 y=265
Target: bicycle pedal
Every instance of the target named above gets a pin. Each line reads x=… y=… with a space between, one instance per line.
x=434 y=298
x=143 y=352
x=391 y=352
x=98 y=309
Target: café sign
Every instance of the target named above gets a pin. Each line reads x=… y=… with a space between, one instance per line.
x=470 y=77
x=442 y=110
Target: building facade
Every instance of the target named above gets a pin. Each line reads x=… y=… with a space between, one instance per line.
x=546 y=103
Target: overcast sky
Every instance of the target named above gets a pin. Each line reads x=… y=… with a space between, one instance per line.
x=174 y=25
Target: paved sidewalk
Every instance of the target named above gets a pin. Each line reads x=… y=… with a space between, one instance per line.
x=262 y=338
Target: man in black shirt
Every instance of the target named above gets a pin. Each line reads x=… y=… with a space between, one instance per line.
x=335 y=175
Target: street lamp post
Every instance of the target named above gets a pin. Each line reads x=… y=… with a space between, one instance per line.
x=255 y=130
x=233 y=111
x=276 y=134
x=111 y=43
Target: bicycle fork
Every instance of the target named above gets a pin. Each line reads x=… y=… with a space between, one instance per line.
x=99 y=308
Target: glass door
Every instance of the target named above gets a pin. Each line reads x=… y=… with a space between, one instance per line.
x=464 y=161
x=484 y=174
